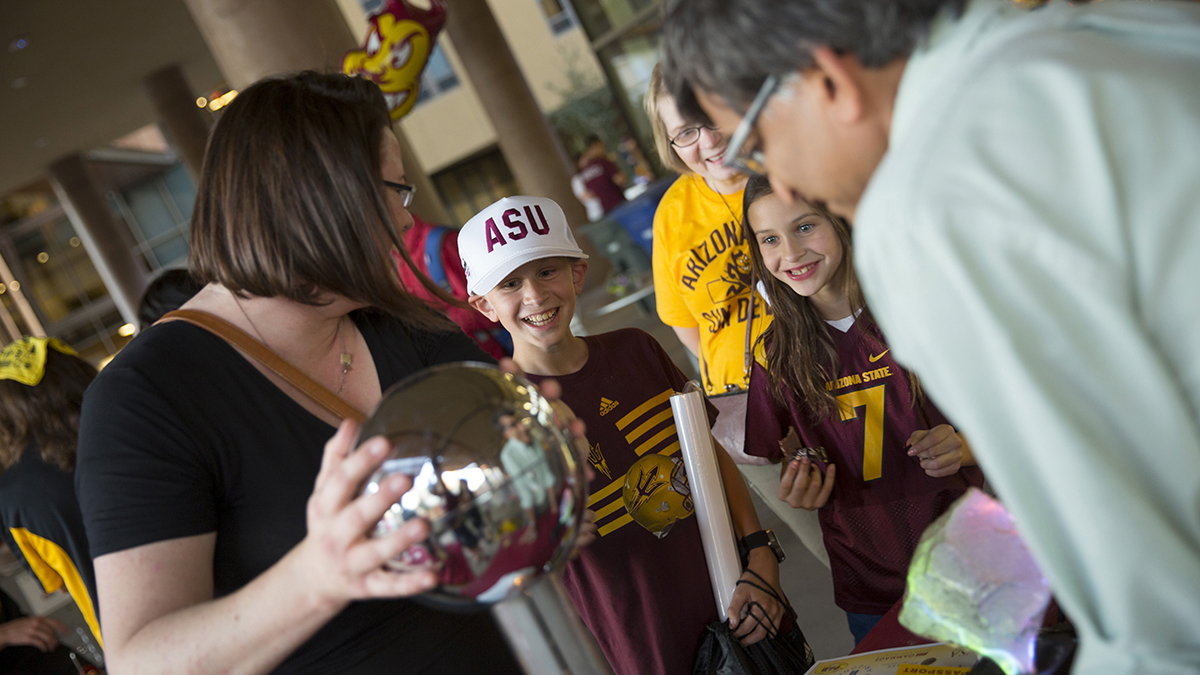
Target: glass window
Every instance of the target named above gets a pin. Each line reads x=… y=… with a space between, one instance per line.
x=557 y=15
x=158 y=212
x=97 y=337
x=371 y=7
x=59 y=280
x=628 y=61
x=171 y=252
x=181 y=191
x=59 y=277
x=467 y=187
x=150 y=211
x=439 y=76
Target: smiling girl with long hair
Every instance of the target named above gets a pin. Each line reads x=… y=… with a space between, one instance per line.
x=859 y=441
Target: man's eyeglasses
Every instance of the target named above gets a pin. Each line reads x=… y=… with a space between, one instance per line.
x=406 y=192
x=689 y=136
x=738 y=155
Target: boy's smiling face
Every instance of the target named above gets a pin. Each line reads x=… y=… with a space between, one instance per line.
x=536 y=301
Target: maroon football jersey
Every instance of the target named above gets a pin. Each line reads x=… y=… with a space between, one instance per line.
x=646 y=599
x=882 y=499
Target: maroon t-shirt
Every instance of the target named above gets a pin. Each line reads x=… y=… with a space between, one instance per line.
x=646 y=599
x=882 y=499
x=598 y=175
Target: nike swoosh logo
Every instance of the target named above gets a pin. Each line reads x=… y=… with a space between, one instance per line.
x=873 y=359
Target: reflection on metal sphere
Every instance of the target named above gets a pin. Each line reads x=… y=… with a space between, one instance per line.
x=494 y=472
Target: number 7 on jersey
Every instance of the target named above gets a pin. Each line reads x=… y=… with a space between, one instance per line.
x=874 y=401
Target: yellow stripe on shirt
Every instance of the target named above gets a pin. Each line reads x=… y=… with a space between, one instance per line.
x=54 y=568
x=614 y=505
x=670 y=449
x=643 y=409
x=606 y=490
x=655 y=440
x=648 y=425
x=615 y=525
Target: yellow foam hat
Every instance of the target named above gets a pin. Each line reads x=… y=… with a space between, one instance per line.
x=25 y=360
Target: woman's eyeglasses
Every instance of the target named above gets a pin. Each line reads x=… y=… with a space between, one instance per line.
x=689 y=136
x=405 y=191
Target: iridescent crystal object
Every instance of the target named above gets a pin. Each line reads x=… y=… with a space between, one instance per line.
x=495 y=473
x=973 y=583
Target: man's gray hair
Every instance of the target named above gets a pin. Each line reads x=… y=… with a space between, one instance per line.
x=729 y=47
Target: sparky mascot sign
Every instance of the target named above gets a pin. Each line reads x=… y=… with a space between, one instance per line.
x=399 y=42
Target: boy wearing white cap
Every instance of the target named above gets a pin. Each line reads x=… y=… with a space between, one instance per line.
x=643 y=591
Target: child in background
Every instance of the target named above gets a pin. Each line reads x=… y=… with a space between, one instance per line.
x=42 y=381
x=858 y=439
x=642 y=587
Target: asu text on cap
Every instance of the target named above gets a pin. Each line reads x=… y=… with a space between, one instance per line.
x=510 y=233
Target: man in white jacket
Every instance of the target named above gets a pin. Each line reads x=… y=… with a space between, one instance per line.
x=1025 y=190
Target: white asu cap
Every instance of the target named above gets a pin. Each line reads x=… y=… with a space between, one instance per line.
x=510 y=233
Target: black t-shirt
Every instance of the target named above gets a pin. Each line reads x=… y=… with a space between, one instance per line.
x=39 y=498
x=180 y=435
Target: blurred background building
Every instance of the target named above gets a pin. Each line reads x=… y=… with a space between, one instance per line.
x=104 y=108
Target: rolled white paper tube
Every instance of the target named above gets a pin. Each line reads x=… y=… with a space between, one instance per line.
x=708 y=496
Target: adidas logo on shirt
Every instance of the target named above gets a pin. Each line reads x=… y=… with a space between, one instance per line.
x=606 y=406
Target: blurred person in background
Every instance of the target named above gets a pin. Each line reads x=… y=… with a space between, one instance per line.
x=29 y=644
x=602 y=180
x=166 y=293
x=42 y=381
x=433 y=250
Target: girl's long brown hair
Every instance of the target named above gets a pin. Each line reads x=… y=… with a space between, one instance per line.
x=46 y=413
x=801 y=355
x=291 y=201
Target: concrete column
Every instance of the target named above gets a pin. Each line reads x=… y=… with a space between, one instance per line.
x=426 y=204
x=251 y=39
x=530 y=146
x=109 y=243
x=185 y=124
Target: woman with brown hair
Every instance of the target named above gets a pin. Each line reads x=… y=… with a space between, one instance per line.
x=42 y=382
x=226 y=540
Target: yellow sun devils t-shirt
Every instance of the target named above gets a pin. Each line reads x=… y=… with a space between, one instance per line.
x=702 y=276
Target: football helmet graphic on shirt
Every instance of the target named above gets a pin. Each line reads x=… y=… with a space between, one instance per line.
x=656 y=493
x=734 y=281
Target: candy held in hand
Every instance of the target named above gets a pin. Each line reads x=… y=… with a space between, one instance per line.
x=790 y=445
x=973 y=583
x=494 y=472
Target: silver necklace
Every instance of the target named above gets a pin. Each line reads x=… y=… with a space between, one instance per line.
x=345 y=357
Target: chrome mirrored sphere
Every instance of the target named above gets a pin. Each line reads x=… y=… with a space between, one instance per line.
x=494 y=472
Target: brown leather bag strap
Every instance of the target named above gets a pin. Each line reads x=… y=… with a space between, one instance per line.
x=235 y=336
